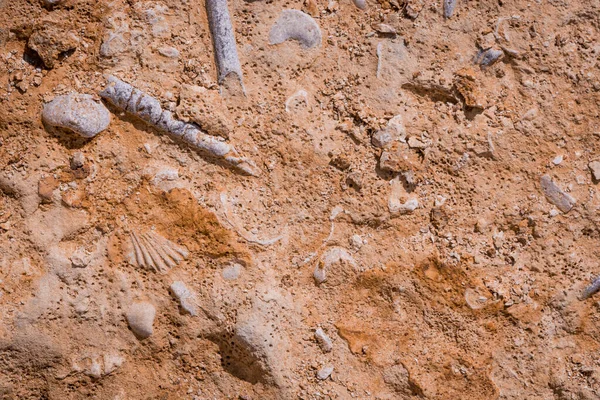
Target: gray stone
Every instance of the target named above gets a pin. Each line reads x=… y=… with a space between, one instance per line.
x=77 y=160
x=595 y=168
x=79 y=113
x=140 y=317
x=489 y=57
x=382 y=138
x=325 y=372
x=555 y=195
x=186 y=298
x=323 y=340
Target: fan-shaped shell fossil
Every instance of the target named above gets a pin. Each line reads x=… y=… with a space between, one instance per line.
x=154 y=252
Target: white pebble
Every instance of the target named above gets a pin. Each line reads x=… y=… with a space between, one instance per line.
x=557 y=160
x=186 y=298
x=323 y=340
x=325 y=372
x=140 y=318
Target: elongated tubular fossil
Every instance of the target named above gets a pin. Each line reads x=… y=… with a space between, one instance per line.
x=147 y=108
x=449 y=6
x=591 y=289
x=223 y=38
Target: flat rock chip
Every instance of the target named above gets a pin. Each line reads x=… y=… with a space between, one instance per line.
x=555 y=195
x=595 y=168
x=79 y=113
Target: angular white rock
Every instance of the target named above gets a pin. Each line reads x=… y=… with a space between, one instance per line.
x=325 y=372
x=186 y=298
x=595 y=168
x=556 y=195
x=409 y=206
x=323 y=340
x=79 y=113
x=140 y=317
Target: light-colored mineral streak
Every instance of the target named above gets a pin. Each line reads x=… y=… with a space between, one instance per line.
x=125 y=97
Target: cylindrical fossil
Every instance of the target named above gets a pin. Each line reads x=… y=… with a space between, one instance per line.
x=449 y=6
x=223 y=38
x=147 y=108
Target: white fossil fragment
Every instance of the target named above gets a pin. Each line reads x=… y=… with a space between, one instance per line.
x=556 y=195
x=140 y=317
x=147 y=108
x=248 y=236
x=297 y=100
x=323 y=340
x=296 y=25
x=186 y=298
x=223 y=38
x=154 y=252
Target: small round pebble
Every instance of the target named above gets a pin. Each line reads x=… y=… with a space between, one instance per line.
x=79 y=113
x=325 y=372
x=140 y=318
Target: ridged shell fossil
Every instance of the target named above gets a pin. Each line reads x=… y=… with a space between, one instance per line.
x=125 y=97
x=154 y=252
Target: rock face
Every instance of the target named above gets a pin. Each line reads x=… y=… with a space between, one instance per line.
x=76 y=112
x=140 y=317
x=52 y=42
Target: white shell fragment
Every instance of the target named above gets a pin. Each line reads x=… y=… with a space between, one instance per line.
x=140 y=317
x=325 y=372
x=154 y=252
x=407 y=207
x=296 y=25
x=78 y=113
x=323 y=340
x=186 y=298
x=555 y=195
x=147 y=108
